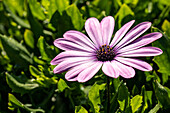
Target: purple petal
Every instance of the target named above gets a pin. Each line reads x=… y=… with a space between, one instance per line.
x=133 y=34
x=89 y=72
x=110 y=70
x=79 y=38
x=142 y=41
x=70 y=63
x=70 y=54
x=136 y=63
x=141 y=52
x=93 y=29
x=121 y=32
x=72 y=74
x=67 y=44
x=107 y=27
x=124 y=70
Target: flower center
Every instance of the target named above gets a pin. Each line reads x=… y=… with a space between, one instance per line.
x=105 y=53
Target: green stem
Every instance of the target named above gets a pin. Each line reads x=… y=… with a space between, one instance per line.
x=108 y=94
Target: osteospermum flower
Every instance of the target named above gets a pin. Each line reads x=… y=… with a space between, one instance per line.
x=83 y=56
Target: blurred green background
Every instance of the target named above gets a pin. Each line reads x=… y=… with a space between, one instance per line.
x=27 y=83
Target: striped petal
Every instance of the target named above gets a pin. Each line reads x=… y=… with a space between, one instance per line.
x=80 y=38
x=93 y=29
x=89 y=72
x=136 y=63
x=72 y=74
x=67 y=64
x=124 y=70
x=110 y=70
x=121 y=32
x=142 y=41
x=142 y=52
x=70 y=54
x=67 y=44
x=107 y=27
x=133 y=34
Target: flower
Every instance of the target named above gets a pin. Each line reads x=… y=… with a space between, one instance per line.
x=83 y=57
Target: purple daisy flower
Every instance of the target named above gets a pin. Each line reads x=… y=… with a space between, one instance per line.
x=83 y=56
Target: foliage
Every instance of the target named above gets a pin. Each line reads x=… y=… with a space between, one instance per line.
x=27 y=31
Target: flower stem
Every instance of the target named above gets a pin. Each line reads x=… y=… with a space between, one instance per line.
x=108 y=94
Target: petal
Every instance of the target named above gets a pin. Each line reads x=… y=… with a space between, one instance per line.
x=124 y=70
x=67 y=64
x=133 y=34
x=70 y=54
x=136 y=63
x=110 y=70
x=67 y=44
x=107 y=27
x=89 y=72
x=80 y=38
x=121 y=32
x=93 y=29
x=72 y=74
x=141 y=52
x=142 y=41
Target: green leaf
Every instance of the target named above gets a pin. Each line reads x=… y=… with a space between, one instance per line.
x=76 y=16
x=94 y=96
x=35 y=26
x=163 y=60
x=29 y=39
x=166 y=27
x=155 y=109
x=36 y=9
x=14 y=100
x=123 y=97
x=47 y=53
x=15 y=51
x=16 y=18
x=18 y=86
x=62 y=22
x=136 y=102
x=62 y=85
x=162 y=95
x=80 y=109
x=17 y=104
x=34 y=71
x=124 y=11
x=59 y=5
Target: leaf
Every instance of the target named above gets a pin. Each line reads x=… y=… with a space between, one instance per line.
x=62 y=22
x=162 y=95
x=76 y=16
x=14 y=101
x=15 y=7
x=166 y=27
x=114 y=103
x=29 y=39
x=136 y=102
x=59 y=5
x=34 y=71
x=155 y=109
x=80 y=109
x=124 y=11
x=36 y=9
x=20 y=87
x=163 y=60
x=62 y=85
x=35 y=26
x=47 y=53
x=15 y=51
x=94 y=96
x=123 y=97
x=16 y=18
